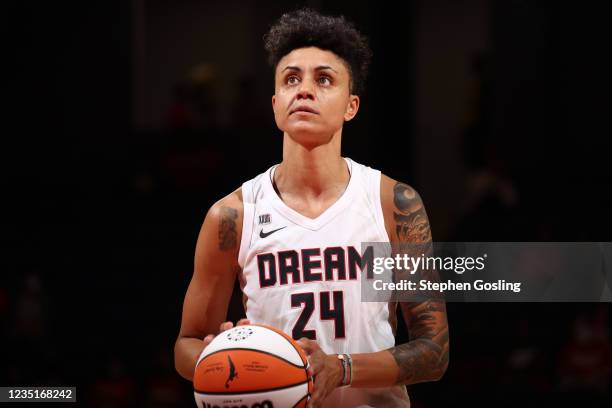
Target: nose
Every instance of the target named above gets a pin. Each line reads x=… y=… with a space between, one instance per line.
x=305 y=91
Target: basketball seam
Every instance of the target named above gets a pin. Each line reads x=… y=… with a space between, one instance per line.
x=301 y=399
x=289 y=340
x=253 y=392
x=255 y=350
x=296 y=350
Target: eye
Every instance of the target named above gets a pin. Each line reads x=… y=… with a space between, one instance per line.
x=292 y=80
x=324 y=80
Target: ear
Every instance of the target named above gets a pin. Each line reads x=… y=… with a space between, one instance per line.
x=351 y=108
x=273 y=101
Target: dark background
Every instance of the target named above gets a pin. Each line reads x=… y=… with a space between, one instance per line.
x=126 y=120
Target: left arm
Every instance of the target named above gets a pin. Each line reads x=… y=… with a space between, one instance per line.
x=425 y=356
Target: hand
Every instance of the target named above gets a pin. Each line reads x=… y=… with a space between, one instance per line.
x=224 y=326
x=326 y=369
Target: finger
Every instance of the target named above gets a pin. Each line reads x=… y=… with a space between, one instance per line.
x=316 y=363
x=243 y=322
x=208 y=339
x=225 y=326
x=313 y=402
x=318 y=392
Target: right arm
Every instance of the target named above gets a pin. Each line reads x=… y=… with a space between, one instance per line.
x=209 y=292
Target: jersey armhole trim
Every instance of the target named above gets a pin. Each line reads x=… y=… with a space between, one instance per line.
x=247 y=221
x=380 y=217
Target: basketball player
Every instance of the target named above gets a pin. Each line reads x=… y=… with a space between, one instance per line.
x=290 y=235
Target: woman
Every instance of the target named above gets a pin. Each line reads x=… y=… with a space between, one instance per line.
x=292 y=235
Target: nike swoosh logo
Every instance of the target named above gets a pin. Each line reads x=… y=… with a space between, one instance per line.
x=263 y=234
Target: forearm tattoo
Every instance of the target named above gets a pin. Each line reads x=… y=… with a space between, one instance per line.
x=227 y=229
x=425 y=356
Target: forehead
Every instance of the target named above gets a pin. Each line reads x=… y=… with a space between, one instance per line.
x=311 y=57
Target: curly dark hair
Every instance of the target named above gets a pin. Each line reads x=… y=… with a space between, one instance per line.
x=306 y=28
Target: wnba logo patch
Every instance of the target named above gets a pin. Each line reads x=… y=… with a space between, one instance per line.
x=264 y=219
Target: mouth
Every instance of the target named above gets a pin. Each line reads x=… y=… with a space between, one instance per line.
x=304 y=109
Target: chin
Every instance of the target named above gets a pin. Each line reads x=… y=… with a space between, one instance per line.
x=310 y=136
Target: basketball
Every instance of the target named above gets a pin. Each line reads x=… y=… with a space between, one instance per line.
x=252 y=366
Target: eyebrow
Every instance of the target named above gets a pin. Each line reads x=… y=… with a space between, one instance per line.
x=319 y=68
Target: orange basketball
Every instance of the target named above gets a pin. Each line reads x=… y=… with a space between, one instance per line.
x=252 y=366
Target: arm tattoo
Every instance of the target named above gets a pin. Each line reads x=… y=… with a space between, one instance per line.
x=425 y=356
x=227 y=228
x=410 y=218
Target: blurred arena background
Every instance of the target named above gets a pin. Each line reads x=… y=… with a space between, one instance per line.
x=128 y=119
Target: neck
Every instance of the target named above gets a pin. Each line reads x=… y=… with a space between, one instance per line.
x=311 y=171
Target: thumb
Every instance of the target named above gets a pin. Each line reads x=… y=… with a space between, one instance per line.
x=309 y=346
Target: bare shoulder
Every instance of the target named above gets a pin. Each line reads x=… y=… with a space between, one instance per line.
x=404 y=212
x=224 y=220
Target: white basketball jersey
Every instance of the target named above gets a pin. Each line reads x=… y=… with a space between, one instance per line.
x=303 y=275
